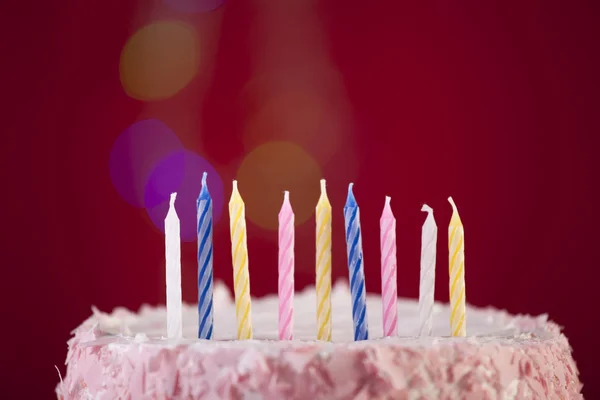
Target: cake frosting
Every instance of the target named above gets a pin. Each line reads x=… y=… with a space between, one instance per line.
x=124 y=355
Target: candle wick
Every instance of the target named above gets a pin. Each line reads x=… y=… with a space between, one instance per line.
x=452 y=203
x=350 y=200
x=426 y=208
x=323 y=185
x=204 y=178
x=388 y=199
x=172 y=200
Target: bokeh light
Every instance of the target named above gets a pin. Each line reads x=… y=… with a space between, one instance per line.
x=165 y=179
x=135 y=154
x=181 y=172
x=270 y=169
x=301 y=115
x=194 y=6
x=159 y=60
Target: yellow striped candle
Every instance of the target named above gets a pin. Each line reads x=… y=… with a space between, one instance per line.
x=456 y=255
x=239 y=256
x=323 y=266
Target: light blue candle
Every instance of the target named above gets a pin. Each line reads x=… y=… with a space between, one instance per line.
x=355 y=267
x=205 y=262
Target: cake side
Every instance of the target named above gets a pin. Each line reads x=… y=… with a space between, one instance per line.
x=122 y=355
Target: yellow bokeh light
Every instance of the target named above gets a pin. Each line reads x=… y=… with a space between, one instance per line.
x=159 y=60
x=272 y=168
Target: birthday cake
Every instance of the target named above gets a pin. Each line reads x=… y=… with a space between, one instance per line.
x=124 y=355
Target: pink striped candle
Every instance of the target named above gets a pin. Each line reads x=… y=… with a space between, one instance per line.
x=389 y=292
x=286 y=270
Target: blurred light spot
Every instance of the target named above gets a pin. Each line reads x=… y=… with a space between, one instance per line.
x=300 y=115
x=194 y=6
x=165 y=179
x=269 y=170
x=159 y=60
x=134 y=155
x=181 y=172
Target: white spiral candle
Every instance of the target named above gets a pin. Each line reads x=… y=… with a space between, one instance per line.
x=427 y=282
x=173 y=272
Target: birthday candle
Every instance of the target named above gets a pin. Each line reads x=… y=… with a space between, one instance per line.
x=355 y=267
x=427 y=285
x=205 y=262
x=389 y=292
x=286 y=270
x=173 y=272
x=323 y=265
x=239 y=255
x=456 y=255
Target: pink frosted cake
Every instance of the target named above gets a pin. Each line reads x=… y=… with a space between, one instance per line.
x=123 y=356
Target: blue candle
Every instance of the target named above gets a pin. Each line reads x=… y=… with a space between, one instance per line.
x=355 y=267
x=205 y=262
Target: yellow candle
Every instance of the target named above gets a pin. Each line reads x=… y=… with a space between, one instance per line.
x=323 y=266
x=239 y=255
x=456 y=255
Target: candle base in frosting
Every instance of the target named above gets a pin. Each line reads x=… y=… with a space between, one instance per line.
x=122 y=355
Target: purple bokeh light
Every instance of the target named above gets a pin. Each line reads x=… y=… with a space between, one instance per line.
x=165 y=179
x=181 y=172
x=136 y=153
x=194 y=6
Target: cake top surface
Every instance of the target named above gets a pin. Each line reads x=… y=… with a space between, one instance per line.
x=124 y=354
x=149 y=324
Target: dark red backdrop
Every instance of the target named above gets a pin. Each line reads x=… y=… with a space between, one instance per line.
x=494 y=105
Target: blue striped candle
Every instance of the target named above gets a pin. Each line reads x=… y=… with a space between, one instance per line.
x=355 y=267
x=205 y=262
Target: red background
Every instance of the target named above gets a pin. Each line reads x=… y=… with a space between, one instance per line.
x=493 y=104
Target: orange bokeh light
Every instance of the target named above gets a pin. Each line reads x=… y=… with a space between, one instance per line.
x=270 y=169
x=301 y=114
x=159 y=60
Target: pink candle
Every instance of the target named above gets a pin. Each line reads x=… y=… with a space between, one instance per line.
x=286 y=270
x=389 y=292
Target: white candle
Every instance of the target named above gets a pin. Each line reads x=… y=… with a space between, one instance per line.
x=427 y=285
x=173 y=272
